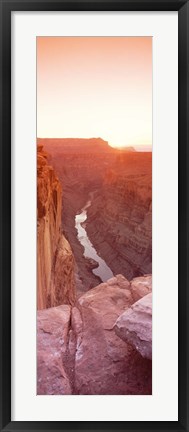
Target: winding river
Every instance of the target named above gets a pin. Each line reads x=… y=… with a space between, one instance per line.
x=102 y=271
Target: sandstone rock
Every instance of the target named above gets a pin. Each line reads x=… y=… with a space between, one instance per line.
x=79 y=351
x=141 y=286
x=62 y=288
x=52 y=340
x=135 y=326
x=119 y=280
x=55 y=262
x=77 y=325
x=104 y=364
x=107 y=300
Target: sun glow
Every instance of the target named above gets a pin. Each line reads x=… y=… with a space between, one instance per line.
x=118 y=145
x=95 y=86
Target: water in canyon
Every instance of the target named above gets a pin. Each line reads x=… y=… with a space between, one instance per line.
x=102 y=270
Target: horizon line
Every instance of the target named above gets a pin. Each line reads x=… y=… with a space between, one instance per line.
x=149 y=146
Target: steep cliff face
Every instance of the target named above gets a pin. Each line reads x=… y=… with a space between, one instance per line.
x=55 y=261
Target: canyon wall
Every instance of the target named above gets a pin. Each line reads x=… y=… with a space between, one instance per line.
x=55 y=261
x=120 y=218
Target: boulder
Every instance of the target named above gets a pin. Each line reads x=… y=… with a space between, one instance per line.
x=52 y=341
x=105 y=364
x=141 y=286
x=135 y=326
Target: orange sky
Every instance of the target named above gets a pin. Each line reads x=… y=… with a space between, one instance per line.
x=95 y=87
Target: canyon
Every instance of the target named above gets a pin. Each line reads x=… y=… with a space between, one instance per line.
x=85 y=342
x=119 y=219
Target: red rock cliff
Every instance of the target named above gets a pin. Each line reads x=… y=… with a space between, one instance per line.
x=55 y=261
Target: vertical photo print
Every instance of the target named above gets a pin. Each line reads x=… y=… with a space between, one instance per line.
x=94 y=215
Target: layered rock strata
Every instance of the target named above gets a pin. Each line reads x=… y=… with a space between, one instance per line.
x=55 y=261
x=79 y=351
x=119 y=220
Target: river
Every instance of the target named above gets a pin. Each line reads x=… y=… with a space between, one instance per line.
x=102 y=271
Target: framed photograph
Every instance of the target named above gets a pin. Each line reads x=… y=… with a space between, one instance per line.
x=94 y=209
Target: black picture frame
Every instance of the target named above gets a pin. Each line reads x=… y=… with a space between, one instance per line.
x=6 y=7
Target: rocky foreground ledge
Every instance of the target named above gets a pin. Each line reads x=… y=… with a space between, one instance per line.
x=79 y=347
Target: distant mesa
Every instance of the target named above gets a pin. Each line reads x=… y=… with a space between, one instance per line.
x=125 y=149
x=81 y=145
